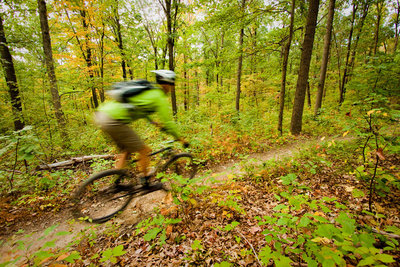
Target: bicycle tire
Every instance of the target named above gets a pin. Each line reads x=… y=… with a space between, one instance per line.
x=103 y=195
x=182 y=165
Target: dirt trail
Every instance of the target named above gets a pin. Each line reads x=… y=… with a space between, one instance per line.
x=138 y=209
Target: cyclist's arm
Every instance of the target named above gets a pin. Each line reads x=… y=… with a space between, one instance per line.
x=165 y=116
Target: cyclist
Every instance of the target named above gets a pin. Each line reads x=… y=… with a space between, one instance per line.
x=113 y=118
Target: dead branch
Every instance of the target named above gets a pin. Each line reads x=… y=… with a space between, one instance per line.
x=72 y=162
x=248 y=242
x=385 y=233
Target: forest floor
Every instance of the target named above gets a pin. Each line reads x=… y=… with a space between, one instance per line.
x=202 y=219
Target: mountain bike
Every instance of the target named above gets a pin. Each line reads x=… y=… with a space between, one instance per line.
x=105 y=194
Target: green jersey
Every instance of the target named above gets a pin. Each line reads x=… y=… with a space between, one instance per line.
x=142 y=106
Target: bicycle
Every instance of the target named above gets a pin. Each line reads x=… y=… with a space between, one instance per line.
x=105 y=194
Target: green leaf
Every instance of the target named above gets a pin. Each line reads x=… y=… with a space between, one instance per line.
x=368 y=261
x=231 y=226
x=118 y=251
x=385 y=258
x=73 y=256
x=283 y=261
x=283 y=221
x=347 y=223
x=63 y=233
x=265 y=255
x=49 y=230
x=326 y=230
x=288 y=179
x=41 y=255
x=279 y=207
x=106 y=255
x=196 y=245
x=357 y=193
x=49 y=244
x=393 y=229
x=304 y=222
x=152 y=233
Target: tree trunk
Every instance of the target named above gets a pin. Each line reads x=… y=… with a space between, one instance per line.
x=50 y=65
x=240 y=62
x=116 y=26
x=186 y=85
x=171 y=29
x=197 y=88
x=11 y=80
x=88 y=58
x=298 y=107
x=396 y=34
x=346 y=65
x=284 y=68
x=349 y=65
x=153 y=44
x=325 y=57
x=379 y=9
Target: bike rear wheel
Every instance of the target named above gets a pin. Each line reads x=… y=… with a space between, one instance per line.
x=178 y=170
x=103 y=195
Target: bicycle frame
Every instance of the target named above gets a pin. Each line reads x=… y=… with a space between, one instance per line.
x=158 y=151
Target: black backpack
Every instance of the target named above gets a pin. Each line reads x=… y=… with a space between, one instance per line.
x=122 y=91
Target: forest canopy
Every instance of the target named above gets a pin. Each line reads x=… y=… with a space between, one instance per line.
x=274 y=68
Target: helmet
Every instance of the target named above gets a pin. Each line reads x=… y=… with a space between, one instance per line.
x=165 y=76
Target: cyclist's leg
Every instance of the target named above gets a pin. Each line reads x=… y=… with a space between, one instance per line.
x=144 y=160
x=121 y=160
x=127 y=140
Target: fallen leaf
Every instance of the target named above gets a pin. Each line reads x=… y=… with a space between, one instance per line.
x=349 y=188
x=168 y=198
x=255 y=229
x=379 y=153
x=63 y=256
x=168 y=231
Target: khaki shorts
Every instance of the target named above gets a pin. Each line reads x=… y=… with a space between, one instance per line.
x=125 y=138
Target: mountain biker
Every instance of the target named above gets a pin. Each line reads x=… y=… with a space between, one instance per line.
x=114 y=116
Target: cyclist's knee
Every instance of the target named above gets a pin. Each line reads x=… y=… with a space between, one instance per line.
x=145 y=151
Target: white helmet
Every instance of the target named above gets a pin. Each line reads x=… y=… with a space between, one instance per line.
x=165 y=76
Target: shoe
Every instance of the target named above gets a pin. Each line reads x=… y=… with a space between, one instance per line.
x=145 y=181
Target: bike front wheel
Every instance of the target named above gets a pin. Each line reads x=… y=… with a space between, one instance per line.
x=178 y=170
x=103 y=195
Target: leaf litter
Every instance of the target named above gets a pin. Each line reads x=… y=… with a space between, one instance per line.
x=221 y=225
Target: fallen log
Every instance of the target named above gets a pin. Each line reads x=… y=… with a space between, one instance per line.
x=73 y=161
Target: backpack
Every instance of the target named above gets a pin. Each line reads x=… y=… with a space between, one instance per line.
x=122 y=91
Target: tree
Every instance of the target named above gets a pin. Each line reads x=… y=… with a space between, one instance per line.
x=11 y=79
x=85 y=46
x=379 y=9
x=116 y=26
x=325 y=56
x=284 y=67
x=396 y=23
x=240 y=60
x=351 y=52
x=50 y=65
x=171 y=8
x=301 y=87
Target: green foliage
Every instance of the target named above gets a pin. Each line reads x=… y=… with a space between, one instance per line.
x=47 y=252
x=154 y=229
x=18 y=146
x=112 y=254
x=316 y=240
